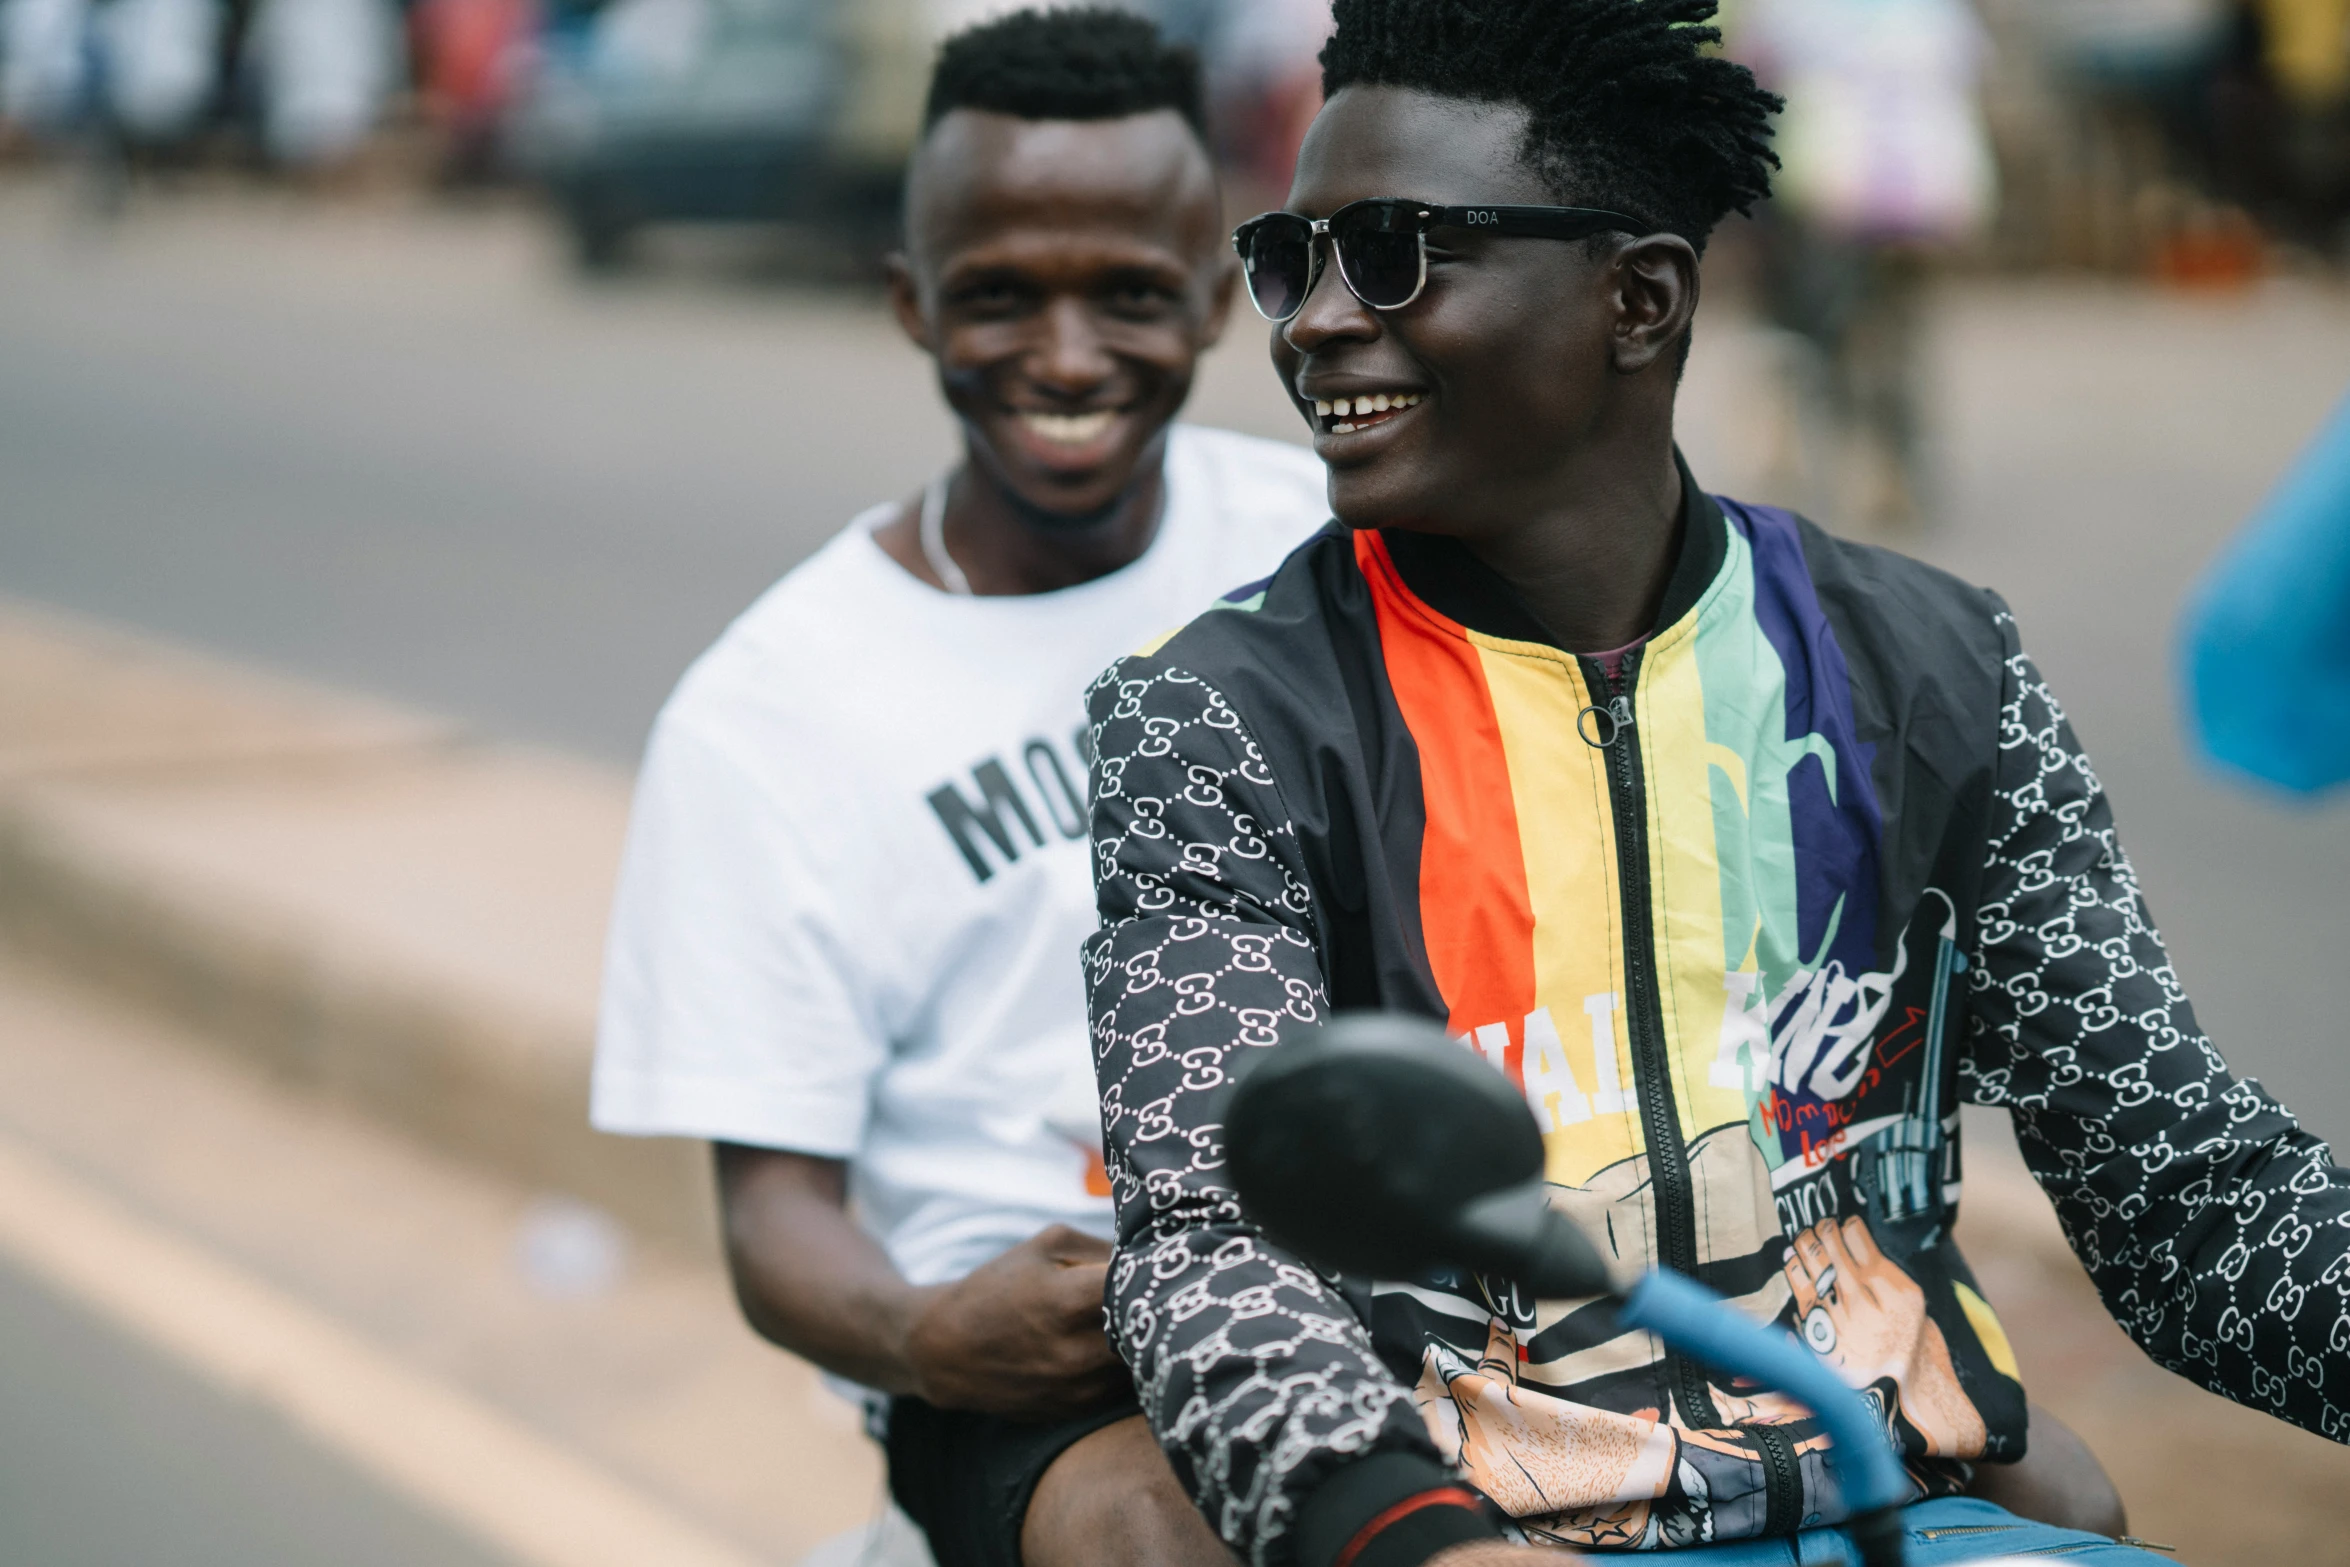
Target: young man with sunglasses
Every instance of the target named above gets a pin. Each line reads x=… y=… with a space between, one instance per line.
x=845 y=942
x=1745 y=851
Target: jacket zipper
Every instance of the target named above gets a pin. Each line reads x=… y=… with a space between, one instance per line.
x=1960 y=1531
x=1782 y=1480
x=1668 y=1155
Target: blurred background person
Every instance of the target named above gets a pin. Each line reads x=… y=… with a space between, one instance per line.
x=1884 y=160
x=2266 y=640
x=159 y=60
x=471 y=59
x=44 y=63
x=147 y=76
x=1266 y=78
x=322 y=71
x=143 y=71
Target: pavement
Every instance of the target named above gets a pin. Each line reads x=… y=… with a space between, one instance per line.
x=278 y=1326
x=397 y=449
x=300 y=982
x=360 y=900
x=112 y=1453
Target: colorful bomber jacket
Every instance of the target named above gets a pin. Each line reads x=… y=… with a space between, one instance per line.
x=1747 y=919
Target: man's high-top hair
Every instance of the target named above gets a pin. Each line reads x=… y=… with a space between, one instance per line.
x=1627 y=106
x=1083 y=64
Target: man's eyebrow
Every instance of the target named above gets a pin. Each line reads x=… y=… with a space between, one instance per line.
x=970 y=274
x=1159 y=270
x=1153 y=268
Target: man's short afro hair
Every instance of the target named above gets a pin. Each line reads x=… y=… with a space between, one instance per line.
x=1628 y=107
x=1079 y=64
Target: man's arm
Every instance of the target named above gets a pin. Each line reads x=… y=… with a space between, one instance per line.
x=1258 y=1377
x=2215 y=1228
x=1020 y=1336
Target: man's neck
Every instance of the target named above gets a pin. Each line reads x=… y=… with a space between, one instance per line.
x=1004 y=545
x=1592 y=566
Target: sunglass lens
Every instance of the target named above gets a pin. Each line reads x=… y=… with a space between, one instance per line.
x=1379 y=245
x=1277 y=252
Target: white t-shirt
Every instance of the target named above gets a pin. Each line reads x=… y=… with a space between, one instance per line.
x=857 y=876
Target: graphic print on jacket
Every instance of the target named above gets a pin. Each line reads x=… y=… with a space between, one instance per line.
x=1705 y=1071
x=1740 y=918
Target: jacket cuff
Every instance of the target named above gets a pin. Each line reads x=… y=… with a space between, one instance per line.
x=1389 y=1510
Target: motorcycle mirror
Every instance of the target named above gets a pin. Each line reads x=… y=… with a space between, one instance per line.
x=1376 y=1146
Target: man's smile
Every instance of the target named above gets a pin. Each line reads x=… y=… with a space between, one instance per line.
x=1361 y=412
x=1068 y=429
x=1064 y=440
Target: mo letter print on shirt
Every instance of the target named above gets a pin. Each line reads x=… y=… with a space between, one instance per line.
x=988 y=820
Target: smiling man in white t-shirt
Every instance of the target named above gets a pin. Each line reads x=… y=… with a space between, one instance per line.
x=845 y=947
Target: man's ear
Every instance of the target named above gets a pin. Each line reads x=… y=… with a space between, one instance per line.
x=905 y=300
x=1225 y=289
x=1655 y=281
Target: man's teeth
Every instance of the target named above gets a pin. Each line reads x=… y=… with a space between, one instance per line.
x=1359 y=407
x=1069 y=429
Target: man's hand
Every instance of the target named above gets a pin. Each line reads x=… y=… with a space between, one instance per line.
x=1020 y=1336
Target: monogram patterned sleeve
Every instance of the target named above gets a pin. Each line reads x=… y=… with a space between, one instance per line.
x=1256 y=1373
x=2215 y=1228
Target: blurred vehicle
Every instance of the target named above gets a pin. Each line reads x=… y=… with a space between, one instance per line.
x=703 y=111
x=2134 y=41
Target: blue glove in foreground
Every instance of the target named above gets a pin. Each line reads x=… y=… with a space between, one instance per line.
x=2266 y=639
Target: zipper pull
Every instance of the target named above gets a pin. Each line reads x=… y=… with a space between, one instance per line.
x=1601 y=727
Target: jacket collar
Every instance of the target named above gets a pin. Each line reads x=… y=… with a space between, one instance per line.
x=1446 y=576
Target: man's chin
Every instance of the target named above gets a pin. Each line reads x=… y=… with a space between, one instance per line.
x=1059 y=498
x=1060 y=515
x=1361 y=501
x=1050 y=506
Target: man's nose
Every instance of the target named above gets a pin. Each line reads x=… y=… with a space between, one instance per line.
x=1070 y=355
x=1331 y=311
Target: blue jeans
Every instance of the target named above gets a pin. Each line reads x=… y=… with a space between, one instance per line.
x=1952 y=1529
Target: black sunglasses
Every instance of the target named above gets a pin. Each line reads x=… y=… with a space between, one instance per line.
x=1382 y=246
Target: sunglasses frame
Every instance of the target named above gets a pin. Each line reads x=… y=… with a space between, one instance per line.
x=1514 y=221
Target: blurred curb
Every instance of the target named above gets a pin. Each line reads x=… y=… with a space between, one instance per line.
x=349 y=896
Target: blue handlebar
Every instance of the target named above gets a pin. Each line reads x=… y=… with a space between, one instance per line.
x=1700 y=1324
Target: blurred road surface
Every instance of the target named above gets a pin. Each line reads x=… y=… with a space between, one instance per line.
x=399 y=452
x=111 y=1455
x=240 y=1326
